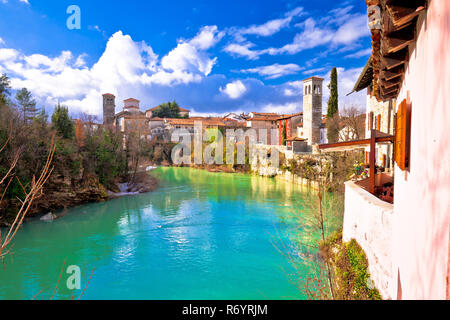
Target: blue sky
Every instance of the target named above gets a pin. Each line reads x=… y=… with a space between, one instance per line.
x=212 y=57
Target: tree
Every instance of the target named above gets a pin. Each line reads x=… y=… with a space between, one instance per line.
x=27 y=104
x=284 y=134
x=352 y=121
x=167 y=110
x=4 y=88
x=31 y=192
x=62 y=122
x=333 y=108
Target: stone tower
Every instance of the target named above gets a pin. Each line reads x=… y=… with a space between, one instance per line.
x=312 y=109
x=109 y=108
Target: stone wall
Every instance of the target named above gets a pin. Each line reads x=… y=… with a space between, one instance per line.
x=369 y=221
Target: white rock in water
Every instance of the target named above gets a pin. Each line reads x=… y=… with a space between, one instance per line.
x=48 y=217
x=151 y=168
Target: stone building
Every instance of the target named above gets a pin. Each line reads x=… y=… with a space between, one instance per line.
x=267 y=121
x=379 y=116
x=323 y=130
x=288 y=123
x=132 y=119
x=312 y=109
x=406 y=239
x=109 y=108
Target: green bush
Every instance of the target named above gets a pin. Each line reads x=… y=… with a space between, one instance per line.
x=350 y=268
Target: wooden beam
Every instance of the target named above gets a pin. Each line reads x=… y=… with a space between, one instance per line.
x=396 y=44
x=372 y=162
x=401 y=16
x=364 y=142
x=391 y=63
x=388 y=75
x=389 y=96
x=391 y=83
x=389 y=91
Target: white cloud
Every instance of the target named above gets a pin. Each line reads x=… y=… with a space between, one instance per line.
x=270 y=27
x=312 y=71
x=23 y=1
x=1 y=41
x=288 y=108
x=234 y=90
x=80 y=62
x=8 y=55
x=125 y=66
x=267 y=29
x=312 y=36
x=208 y=37
x=242 y=50
x=352 y=30
x=339 y=28
x=360 y=54
x=274 y=71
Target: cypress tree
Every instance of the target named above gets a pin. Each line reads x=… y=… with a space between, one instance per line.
x=333 y=108
x=284 y=134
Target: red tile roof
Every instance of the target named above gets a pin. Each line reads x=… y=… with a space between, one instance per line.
x=315 y=78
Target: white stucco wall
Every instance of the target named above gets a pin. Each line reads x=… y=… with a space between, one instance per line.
x=368 y=220
x=422 y=195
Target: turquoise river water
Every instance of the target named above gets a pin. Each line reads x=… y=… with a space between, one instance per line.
x=200 y=235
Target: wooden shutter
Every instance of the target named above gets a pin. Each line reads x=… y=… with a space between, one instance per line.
x=371 y=121
x=402 y=136
x=379 y=122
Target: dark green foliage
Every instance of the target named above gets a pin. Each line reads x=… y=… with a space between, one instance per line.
x=104 y=156
x=167 y=110
x=62 y=122
x=27 y=104
x=4 y=88
x=284 y=134
x=333 y=109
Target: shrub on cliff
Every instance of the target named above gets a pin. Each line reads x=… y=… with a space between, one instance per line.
x=350 y=267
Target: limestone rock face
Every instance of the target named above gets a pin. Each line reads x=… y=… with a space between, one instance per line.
x=62 y=192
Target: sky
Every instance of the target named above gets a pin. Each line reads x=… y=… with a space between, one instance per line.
x=212 y=57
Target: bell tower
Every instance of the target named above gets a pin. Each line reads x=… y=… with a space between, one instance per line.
x=312 y=109
x=109 y=108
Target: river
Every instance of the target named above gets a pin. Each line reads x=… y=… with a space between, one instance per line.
x=200 y=235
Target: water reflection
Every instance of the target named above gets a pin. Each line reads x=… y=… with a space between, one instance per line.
x=199 y=236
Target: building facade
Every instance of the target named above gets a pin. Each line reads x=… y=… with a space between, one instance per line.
x=408 y=242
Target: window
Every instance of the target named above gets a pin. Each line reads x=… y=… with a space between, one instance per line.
x=403 y=135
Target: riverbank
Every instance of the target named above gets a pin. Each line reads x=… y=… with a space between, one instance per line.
x=61 y=194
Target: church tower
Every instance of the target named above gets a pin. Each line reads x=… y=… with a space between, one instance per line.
x=109 y=108
x=312 y=109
